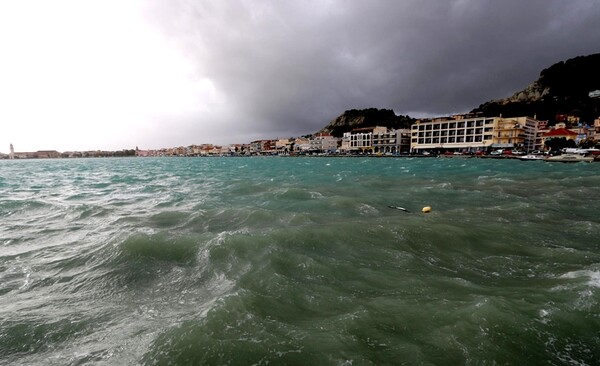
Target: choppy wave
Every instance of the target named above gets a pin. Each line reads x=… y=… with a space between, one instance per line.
x=298 y=261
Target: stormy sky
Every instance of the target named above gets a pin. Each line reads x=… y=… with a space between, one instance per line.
x=114 y=74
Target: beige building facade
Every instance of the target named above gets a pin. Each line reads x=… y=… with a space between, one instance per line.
x=376 y=140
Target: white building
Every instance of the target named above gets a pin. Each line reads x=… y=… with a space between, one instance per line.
x=470 y=134
x=452 y=133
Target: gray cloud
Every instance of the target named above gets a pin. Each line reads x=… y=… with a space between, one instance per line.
x=288 y=67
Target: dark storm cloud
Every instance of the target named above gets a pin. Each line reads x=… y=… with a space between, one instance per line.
x=288 y=67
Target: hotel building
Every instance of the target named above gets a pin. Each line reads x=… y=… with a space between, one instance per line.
x=452 y=134
x=471 y=134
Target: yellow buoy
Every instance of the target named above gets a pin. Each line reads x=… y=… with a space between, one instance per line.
x=426 y=209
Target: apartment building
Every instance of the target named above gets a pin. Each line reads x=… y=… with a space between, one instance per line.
x=522 y=133
x=263 y=147
x=301 y=145
x=283 y=146
x=391 y=141
x=323 y=143
x=376 y=140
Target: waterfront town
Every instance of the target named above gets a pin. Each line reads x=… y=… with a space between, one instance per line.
x=454 y=135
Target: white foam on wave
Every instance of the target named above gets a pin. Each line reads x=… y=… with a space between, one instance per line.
x=315 y=195
x=544 y=315
x=27 y=282
x=220 y=237
x=366 y=209
x=594 y=279
x=593 y=276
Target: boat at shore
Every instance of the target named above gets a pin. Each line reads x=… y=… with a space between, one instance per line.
x=529 y=157
x=570 y=158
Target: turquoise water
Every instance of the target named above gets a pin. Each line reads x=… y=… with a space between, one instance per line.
x=286 y=261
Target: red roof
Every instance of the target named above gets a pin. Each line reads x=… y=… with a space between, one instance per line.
x=559 y=132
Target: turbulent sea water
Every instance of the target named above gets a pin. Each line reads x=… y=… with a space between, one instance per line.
x=290 y=261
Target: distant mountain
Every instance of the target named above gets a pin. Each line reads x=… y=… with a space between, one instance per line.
x=561 y=89
x=371 y=117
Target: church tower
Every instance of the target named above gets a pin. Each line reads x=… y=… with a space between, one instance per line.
x=12 y=152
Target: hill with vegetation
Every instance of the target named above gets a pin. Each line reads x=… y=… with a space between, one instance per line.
x=562 y=89
x=359 y=118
